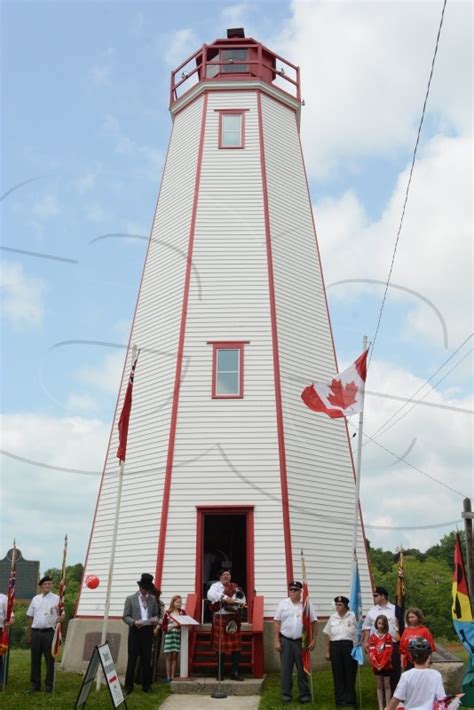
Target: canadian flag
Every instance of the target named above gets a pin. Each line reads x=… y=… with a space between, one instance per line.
x=343 y=397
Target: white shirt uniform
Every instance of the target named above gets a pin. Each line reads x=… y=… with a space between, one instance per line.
x=290 y=617
x=389 y=612
x=341 y=628
x=215 y=594
x=44 y=611
x=3 y=608
x=419 y=688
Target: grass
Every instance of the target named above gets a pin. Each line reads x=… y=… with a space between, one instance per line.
x=323 y=691
x=67 y=690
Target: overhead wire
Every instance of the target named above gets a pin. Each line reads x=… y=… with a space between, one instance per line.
x=407 y=190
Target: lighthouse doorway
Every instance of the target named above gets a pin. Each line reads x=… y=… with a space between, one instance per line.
x=226 y=541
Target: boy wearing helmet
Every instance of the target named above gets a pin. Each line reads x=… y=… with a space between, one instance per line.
x=422 y=685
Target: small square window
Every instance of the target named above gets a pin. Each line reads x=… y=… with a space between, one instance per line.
x=227 y=370
x=231 y=129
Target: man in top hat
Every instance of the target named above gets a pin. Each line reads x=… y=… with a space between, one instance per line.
x=42 y=617
x=341 y=633
x=383 y=606
x=226 y=598
x=141 y=614
x=288 y=632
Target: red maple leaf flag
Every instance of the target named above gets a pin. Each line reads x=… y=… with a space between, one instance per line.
x=343 y=397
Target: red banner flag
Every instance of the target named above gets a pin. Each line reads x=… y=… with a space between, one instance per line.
x=306 y=637
x=5 y=635
x=125 y=415
x=58 y=631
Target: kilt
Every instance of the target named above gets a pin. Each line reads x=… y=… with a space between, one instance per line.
x=228 y=642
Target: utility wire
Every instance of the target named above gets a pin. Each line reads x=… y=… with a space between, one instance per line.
x=383 y=427
x=415 y=468
x=408 y=184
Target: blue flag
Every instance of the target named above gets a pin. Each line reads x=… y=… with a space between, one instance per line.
x=356 y=606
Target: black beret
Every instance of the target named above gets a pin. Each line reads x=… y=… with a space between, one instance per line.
x=44 y=579
x=298 y=585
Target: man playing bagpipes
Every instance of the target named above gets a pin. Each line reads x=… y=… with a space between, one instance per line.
x=227 y=599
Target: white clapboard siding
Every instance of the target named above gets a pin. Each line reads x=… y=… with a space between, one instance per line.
x=156 y=332
x=232 y=304
x=319 y=466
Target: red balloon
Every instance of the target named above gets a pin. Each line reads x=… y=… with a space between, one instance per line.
x=92 y=582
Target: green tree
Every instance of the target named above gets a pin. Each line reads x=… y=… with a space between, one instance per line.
x=444 y=550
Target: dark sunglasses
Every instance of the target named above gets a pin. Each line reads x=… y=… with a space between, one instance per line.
x=295 y=589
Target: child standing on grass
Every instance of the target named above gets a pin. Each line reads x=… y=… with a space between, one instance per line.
x=172 y=634
x=414 y=629
x=419 y=687
x=380 y=656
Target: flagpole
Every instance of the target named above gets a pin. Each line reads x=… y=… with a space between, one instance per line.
x=113 y=547
x=6 y=658
x=358 y=466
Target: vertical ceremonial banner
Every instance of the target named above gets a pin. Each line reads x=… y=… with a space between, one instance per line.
x=343 y=396
x=400 y=594
x=125 y=415
x=463 y=621
x=58 y=631
x=355 y=604
x=5 y=636
x=306 y=638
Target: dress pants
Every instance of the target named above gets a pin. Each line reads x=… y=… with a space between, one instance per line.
x=235 y=656
x=396 y=667
x=344 y=670
x=41 y=640
x=290 y=656
x=140 y=641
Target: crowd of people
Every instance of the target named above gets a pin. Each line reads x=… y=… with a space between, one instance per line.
x=400 y=661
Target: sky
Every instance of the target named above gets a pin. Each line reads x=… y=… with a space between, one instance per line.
x=85 y=89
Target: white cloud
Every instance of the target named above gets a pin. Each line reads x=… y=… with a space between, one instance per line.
x=22 y=296
x=40 y=502
x=105 y=377
x=94 y=212
x=178 y=45
x=434 y=256
x=100 y=73
x=124 y=145
x=47 y=206
x=364 y=70
x=235 y=14
x=398 y=495
x=81 y=403
x=87 y=181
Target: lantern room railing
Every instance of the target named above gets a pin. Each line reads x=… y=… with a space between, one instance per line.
x=250 y=60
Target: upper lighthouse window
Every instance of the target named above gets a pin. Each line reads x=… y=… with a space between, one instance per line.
x=231 y=129
x=232 y=61
x=228 y=370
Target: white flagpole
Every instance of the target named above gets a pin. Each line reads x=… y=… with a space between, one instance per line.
x=358 y=466
x=112 y=550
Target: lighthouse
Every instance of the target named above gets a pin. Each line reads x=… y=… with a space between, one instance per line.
x=225 y=465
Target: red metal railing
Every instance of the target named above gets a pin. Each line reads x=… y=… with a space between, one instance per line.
x=257 y=637
x=286 y=77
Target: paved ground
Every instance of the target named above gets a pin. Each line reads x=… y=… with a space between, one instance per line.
x=205 y=702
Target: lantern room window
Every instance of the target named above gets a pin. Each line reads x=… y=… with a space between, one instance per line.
x=231 y=129
x=228 y=370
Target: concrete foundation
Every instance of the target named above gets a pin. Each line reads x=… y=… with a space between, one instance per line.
x=84 y=634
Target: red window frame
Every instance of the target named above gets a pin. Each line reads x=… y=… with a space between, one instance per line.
x=233 y=112
x=226 y=345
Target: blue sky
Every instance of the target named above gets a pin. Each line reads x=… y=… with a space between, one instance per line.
x=85 y=121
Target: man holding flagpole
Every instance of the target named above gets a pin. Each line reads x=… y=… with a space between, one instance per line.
x=288 y=634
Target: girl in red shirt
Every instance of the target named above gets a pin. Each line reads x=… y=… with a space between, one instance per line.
x=380 y=656
x=414 y=628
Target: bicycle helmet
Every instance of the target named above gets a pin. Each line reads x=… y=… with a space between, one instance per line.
x=419 y=647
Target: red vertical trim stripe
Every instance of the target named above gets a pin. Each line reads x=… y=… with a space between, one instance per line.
x=276 y=357
x=179 y=359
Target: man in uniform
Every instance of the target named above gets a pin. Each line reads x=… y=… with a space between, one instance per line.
x=288 y=632
x=42 y=617
x=141 y=614
x=226 y=599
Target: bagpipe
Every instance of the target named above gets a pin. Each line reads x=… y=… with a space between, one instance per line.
x=236 y=594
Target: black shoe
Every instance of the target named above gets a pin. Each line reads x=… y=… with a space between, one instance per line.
x=236 y=676
x=32 y=690
x=146 y=689
x=287 y=701
x=48 y=690
x=305 y=700
x=128 y=691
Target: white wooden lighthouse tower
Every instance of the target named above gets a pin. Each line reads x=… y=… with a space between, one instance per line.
x=224 y=461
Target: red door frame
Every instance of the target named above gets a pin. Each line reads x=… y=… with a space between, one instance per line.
x=246 y=510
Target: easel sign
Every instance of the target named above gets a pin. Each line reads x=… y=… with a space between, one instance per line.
x=102 y=655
